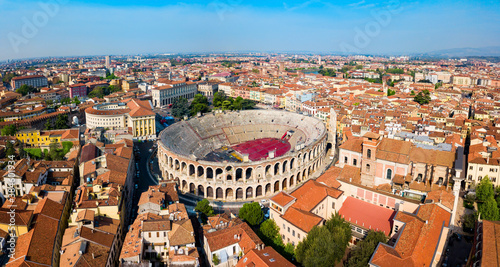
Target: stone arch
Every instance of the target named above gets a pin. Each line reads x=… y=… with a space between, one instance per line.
x=276 y=168
x=192 y=188
x=177 y=165
x=292 y=162
x=268 y=170
x=268 y=189
x=239 y=193
x=249 y=192
x=171 y=162
x=309 y=156
x=304 y=175
x=276 y=186
x=299 y=177
x=258 y=191
x=309 y=171
x=192 y=170
x=291 y=181
x=284 y=184
x=184 y=186
x=201 y=191
x=183 y=167
x=218 y=172
x=248 y=173
x=201 y=171
x=284 y=165
x=229 y=194
x=229 y=177
x=239 y=174
x=210 y=192
x=210 y=173
x=219 y=193
x=304 y=158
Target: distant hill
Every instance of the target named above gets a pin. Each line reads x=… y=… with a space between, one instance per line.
x=490 y=51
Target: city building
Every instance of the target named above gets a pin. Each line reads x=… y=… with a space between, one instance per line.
x=165 y=93
x=132 y=113
x=31 y=80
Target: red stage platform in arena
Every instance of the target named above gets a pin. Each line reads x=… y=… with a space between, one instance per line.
x=259 y=149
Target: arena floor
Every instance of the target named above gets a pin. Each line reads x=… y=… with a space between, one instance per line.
x=259 y=149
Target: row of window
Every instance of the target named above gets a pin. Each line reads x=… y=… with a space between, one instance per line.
x=481 y=169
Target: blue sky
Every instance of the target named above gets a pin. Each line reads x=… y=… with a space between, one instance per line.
x=92 y=27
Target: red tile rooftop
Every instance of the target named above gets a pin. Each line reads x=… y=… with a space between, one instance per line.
x=367 y=215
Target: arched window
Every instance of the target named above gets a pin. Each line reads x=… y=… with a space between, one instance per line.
x=369 y=153
x=389 y=173
x=354 y=162
x=419 y=177
x=367 y=167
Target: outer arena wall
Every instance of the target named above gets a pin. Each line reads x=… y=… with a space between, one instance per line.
x=183 y=145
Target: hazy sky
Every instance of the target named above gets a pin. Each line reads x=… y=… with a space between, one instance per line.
x=92 y=27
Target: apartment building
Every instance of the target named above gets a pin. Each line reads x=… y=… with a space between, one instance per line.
x=31 y=80
x=167 y=92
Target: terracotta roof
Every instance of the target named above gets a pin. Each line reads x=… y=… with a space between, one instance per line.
x=263 y=257
x=418 y=240
x=282 y=198
x=367 y=215
x=226 y=237
x=491 y=246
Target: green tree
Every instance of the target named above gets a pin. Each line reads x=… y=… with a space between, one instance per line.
x=215 y=259
x=219 y=97
x=9 y=130
x=423 y=97
x=469 y=222
x=484 y=190
x=204 y=207
x=61 y=121
x=391 y=92
x=26 y=89
x=76 y=100
x=22 y=153
x=363 y=252
x=48 y=125
x=49 y=102
x=180 y=107
x=437 y=85
x=199 y=104
x=488 y=210
x=324 y=245
x=9 y=149
x=251 y=213
x=327 y=72
x=269 y=231
x=66 y=101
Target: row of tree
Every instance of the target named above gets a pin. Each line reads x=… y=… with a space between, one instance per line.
x=224 y=102
x=102 y=91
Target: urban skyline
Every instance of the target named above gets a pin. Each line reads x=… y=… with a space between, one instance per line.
x=76 y=28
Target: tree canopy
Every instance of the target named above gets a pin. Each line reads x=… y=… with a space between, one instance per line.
x=328 y=72
x=10 y=129
x=180 y=107
x=102 y=91
x=363 y=252
x=423 y=97
x=484 y=190
x=324 y=245
x=204 y=207
x=223 y=102
x=26 y=89
x=251 y=213
x=61 y=121
x=199 y=104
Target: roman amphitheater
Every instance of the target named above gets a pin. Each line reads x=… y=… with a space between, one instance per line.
x=237 y=156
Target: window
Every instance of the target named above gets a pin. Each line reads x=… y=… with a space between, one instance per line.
x=289 y=229
x=367 y=167
x=440 y=180
x=471 y=168
x=396 y=229
x=333 y=205
x=369 y=153
x=480 y=178
x=298 y=235
x=293 y=232
x=492 y=170
x=480 y=169
x=389 y=174
x=470 y=177
x=354 y=162
x=345 y=160
x=419 y=177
